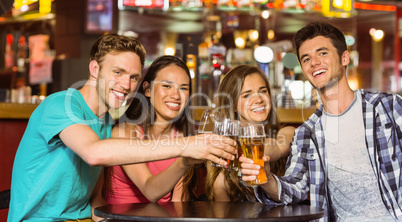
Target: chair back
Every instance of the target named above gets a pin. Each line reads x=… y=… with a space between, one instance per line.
x=4 y=199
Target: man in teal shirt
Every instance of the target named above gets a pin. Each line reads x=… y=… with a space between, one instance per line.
x=66 y=141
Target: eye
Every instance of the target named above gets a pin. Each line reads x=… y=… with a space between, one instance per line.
x=184 y=88
x=167 y=86
x=305 y=60
x=264 y=91
x=246 y=96
x=134 y=78
x=117 y=72
x=323 y=53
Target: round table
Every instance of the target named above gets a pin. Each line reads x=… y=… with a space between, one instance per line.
x=208 y=211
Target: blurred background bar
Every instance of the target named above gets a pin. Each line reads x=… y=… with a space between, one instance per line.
x=45 y=44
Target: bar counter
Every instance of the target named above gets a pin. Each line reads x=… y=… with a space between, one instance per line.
x=16 y=110
x=286 y=116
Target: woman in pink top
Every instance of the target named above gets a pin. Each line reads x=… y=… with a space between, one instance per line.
x=159 y=111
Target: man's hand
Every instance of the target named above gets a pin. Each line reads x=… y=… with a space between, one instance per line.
x=211 y=147
x=251 y=170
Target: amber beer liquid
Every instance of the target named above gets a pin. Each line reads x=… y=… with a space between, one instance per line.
x=253 y=148
x=235 y=164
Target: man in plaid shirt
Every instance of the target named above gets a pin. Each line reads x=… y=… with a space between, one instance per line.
x=346 y=158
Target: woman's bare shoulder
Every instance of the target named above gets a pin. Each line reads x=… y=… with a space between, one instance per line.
x=127 y=130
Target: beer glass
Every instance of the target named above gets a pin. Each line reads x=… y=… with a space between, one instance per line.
x=208 y=119
x=228 y=128
x=252 y=137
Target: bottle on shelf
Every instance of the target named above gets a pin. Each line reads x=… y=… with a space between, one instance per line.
x=9 y=55
x=217 y=53
x=204 y=70
x=22 y=54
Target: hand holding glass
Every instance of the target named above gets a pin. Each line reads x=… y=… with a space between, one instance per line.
x=252 y=138
x=228 y=128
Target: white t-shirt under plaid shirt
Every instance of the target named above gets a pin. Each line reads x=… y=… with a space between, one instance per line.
x=351 y=180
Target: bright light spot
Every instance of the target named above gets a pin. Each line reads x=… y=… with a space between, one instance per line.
x=263 y=54
x=265 y=14
x=240 y=42
x=192 y=74
x=372 y=31
x=378 y=35
x=297 y=89
x=169 y=51
x=338 y=3
x=353 y=83
x=24 y=8
x=271 y=34
x=254 y=35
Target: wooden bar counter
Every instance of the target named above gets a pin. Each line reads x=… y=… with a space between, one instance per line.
x=16 y=110
x=286 y=116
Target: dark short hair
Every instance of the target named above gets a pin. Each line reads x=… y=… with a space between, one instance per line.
x=324 y=29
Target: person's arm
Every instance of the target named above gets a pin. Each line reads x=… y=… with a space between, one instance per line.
x=150 y=185
x=96 y=199
x=280 y=146
x=154 y=187
x=85 y=142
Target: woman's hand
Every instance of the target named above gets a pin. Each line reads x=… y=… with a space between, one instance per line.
x=211 y=147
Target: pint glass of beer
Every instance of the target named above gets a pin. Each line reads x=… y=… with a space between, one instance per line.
x=252 y=138
x=229 y=128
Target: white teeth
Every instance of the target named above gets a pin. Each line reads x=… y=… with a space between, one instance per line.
x=119 y=94
x=172 y=104
x=258 y=109
x=318 y=72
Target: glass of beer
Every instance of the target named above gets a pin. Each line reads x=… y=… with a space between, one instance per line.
x=228 y=128
x=252 y=137
x=208 y=119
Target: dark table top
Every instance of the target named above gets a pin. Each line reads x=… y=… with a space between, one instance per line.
x=208 y=211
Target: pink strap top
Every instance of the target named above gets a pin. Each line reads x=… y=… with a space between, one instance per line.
x=125 y=191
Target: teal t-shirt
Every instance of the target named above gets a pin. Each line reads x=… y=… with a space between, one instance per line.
x=49 y=181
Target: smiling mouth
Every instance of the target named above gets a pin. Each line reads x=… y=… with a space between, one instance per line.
x=119 y=95
x=319 y=72
x=258 y=109
x=174 y=106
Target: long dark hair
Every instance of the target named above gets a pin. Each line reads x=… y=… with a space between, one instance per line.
x=141 y=112
x=227 y=98
x=141 y=105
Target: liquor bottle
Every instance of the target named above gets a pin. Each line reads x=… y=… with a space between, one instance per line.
x=204 y=70
x=9 y=60
x=217 y=53
x=22 y=54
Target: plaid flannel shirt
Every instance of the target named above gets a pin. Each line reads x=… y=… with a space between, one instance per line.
x=304 y=175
